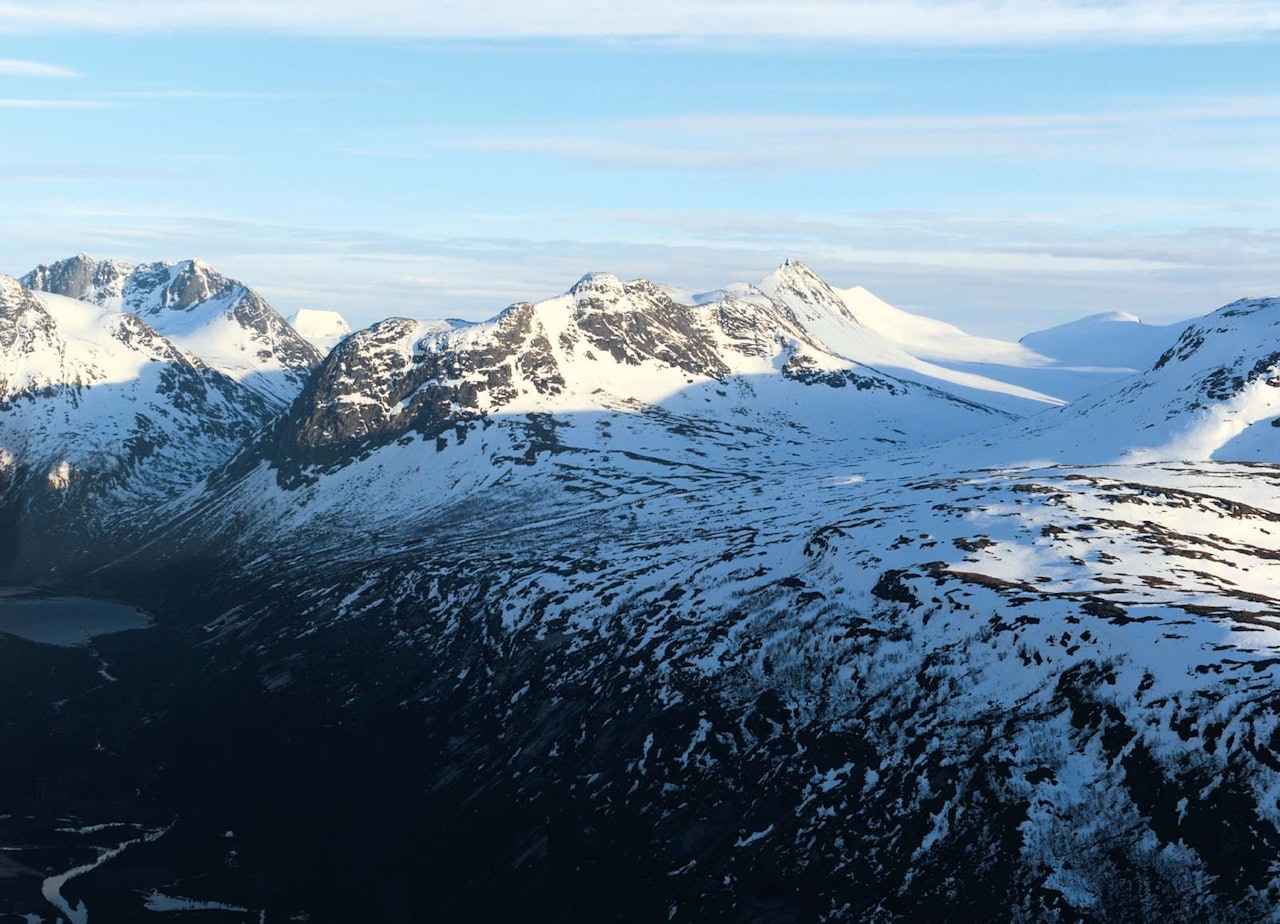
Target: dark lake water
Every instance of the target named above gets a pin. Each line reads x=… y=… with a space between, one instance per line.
x=66 y=621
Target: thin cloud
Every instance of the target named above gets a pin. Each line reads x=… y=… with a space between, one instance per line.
x=972 y=270
x=54 y=104
x=382 y=155
x=222 y=94
x=73 y=172
x=678 y=22
x=1208 y=109
x=1185 y=135
x=13 y=67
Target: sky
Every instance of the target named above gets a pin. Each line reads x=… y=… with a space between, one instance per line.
x=1005 y=166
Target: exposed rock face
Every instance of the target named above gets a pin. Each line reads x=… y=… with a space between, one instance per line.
x=25 y=327
x=371 y=387
x=155 y=288
x=81 y=277
x=637 y=322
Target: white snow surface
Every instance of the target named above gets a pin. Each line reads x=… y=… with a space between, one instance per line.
x=930 y=339
x=322 y=329
x=1115 y=339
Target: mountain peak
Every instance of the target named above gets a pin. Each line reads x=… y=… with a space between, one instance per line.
x=598 y=284
x=177 y=286
x=188 y=302
x=324 y=329
x=8 y=284
x=794 y=276
x=81 y=277
x=791 y=268
x=806 y=293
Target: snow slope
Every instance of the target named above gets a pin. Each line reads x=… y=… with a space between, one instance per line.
x=1213 y=394
x=1049 y=692
x=827 y=316
x=1066 y=362
x=1114 y=339
x=930 y=339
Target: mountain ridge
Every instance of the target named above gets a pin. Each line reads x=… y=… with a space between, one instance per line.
x=219 y=319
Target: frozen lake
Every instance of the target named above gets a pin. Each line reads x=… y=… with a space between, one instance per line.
x=66 y=621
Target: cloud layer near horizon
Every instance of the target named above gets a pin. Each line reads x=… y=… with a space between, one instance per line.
x=998 y=274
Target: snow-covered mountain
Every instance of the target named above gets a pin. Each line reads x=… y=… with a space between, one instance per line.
x=612 y=381
x=122 y=386
x=1214 y=393
x=223 y=322
x=1066 y=362
x=101 y=416
x=930 y=339
x=779 y=605
x=1114 y=339
x=322 y=329
x=885 y=669
x=100 y=282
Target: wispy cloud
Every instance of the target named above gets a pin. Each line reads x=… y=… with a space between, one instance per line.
x=13 y=67
x=222 y=95
x=381 y=154
x=53 y=173
x=54 y=104
x=914 y=22
x=1182 y=135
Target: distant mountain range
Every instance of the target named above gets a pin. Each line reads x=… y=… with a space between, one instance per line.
x=769 y=603
x=181 y=366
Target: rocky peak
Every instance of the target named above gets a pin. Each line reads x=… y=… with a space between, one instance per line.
x=11 y=289
x=80 y=277
x=601 y=286
x=157 y=287
x=391 y=341
x=806 y=293
x=229 y=326
x=795 y=273
x=637 y=321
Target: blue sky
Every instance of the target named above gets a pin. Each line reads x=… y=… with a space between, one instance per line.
x=1005 y=166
